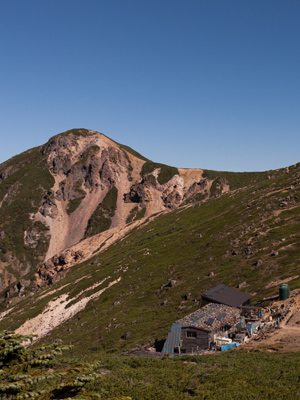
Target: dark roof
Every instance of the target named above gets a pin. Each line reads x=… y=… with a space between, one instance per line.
x=211 y=317
x=226 y=295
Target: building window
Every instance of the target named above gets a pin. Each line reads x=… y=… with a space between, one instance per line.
x=191 y=334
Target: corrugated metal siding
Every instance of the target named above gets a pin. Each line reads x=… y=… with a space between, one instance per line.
x=250 y=327
x=241 y=324
x=173 y=339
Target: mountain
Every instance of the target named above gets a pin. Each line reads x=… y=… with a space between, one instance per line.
x=105 y=249
x=78 y=185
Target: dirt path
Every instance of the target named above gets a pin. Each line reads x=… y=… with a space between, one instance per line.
x=277 y=282
x=286 y=338
x=4 y=198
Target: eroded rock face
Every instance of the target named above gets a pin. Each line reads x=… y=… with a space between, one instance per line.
x=48 y=208
x=172 y=198
x=138 y=194
x=222 y=184
x=85 y=165
x=59 y=151
x=198 y=187
x=54 y=268
x=32 y=237
x=20 y=286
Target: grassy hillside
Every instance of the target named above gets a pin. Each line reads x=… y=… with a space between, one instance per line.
x=25 y=179
x=101 y=219
x=219 y=241
x=237 y=180
x=41 y=373
x=166 y=172
x=235 y=375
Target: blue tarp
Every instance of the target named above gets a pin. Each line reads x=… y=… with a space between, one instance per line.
x=228 y=346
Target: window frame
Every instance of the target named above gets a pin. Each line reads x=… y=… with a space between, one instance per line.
x=191 y=335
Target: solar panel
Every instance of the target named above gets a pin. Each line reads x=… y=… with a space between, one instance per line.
x=219 y=317
x=210 y=321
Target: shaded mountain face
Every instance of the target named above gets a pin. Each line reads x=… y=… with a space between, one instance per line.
x=81 y=185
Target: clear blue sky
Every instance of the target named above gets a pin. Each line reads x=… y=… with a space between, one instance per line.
x=193 y=83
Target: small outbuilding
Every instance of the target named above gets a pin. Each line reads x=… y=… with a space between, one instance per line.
x=222 y=294
x=198 y=331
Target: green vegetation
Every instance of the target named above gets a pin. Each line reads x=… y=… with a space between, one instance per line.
x=166 y=172
x=27 y=181
x=76 y=132
x=100 y=221
x=74 y=204
x=12 y=271
x=77 y=187
x=131 y=151
x=225 y=234
x=185 y=245
x=135 y=214
x=37 y=373
x=34 y=373
x=237 y=179
x=109 y=203
x=215 y=190
x=233 y=375
x=130 y=169
x=88 y=154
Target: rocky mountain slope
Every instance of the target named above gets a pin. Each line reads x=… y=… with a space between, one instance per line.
x=77 y=186
x=105 y=249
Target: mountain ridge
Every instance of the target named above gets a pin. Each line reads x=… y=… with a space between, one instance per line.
x=81 y=167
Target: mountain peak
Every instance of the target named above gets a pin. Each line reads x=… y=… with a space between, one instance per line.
x=81 y=192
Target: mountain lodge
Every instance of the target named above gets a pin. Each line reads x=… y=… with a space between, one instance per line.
x=219 y=315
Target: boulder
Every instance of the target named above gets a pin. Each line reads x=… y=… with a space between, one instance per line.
x=242 y=285
x=171 y=283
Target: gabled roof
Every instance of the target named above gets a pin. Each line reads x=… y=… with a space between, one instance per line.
x=226 y=295
x=211 y=317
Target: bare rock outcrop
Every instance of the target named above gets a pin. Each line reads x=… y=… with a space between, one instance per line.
x=139 y=193
x=55 y=268
x=171 y=197
x=48 y=207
